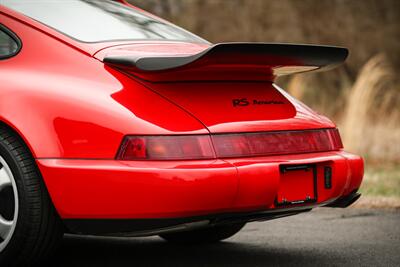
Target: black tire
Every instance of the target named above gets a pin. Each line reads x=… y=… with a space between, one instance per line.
x=38 y=227
x=204 y=236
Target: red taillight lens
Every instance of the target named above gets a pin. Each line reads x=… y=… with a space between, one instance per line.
x=166 y=148
x=229 y=145
x=276 y=143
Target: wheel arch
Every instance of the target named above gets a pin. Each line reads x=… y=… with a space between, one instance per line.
x=9 y=126
x=39 y=226
x=15 y=131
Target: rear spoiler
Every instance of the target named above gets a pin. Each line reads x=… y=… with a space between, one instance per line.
x=232 y=62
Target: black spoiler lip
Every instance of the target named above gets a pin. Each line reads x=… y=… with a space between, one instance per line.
x=308 y=55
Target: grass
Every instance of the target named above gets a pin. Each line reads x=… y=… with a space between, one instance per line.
x=370 y=123
x=382 y=181
x=370 y=127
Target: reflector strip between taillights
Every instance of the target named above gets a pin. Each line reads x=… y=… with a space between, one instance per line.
x=192 y=147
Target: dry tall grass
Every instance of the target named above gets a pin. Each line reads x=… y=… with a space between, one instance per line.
x=371 y=124
x=367 y=112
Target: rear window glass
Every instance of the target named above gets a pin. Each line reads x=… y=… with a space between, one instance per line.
x=99 y=20
x=8 y=46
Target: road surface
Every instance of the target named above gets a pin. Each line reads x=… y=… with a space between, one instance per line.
x=324 y=237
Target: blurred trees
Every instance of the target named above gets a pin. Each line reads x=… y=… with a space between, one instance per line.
x=367 y=27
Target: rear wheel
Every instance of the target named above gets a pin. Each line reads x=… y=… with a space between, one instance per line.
x=206 y=235
x=29 y=225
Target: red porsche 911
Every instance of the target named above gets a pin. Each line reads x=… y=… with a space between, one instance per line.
x=114 y=122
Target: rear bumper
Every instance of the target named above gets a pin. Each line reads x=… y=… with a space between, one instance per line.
x=109 y=189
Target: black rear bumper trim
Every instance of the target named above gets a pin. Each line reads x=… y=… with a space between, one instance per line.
x=149 y=227
x=345 y=202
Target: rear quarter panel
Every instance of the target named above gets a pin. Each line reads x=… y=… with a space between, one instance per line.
x=66 y=104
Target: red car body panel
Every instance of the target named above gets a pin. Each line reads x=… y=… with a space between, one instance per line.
x=215 y=110
x=220 y=116
x=73 y=111
x=78 y=117
x=114 y=189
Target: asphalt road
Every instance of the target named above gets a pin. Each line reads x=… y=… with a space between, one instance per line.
x=325 y=237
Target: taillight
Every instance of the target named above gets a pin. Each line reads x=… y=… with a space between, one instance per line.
x=166 y=148
x=276 y=143
x=191 y=147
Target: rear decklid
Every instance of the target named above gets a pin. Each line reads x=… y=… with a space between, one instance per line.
x=229 y=87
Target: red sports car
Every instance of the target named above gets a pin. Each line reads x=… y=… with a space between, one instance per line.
x=114 y=122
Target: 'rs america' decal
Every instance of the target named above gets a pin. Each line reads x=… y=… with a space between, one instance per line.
x=244 y=102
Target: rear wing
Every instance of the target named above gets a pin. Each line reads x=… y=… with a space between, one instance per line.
x=233 y=62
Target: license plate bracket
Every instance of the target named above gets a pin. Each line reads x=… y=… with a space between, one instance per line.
x=298 y=185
